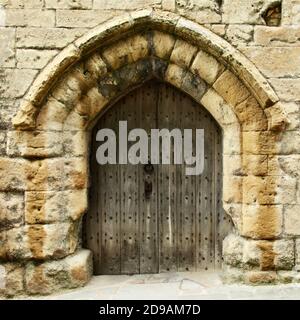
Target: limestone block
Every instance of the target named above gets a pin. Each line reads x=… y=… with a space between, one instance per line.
x=163 y=44
x=262 y=222
x=12 y=172
x=290 y=142
x=126 y=51
x=286 y=60
x=183 y=53
x=47 y=38
x=206 y=67
x=284 y=254
x=251 y=254
x=297 y=248
x=233 y=250
x=261 y=142
x=52 y=115
x=218 y=108
x=284 y=165
x=20 y=4
x=124 y=5
x=71 y=272
x=82 y=18
x=234 y=211
x=277 y=117
x=54 y=206
x=42 y=242
x=256 y=165
x=33 y=59
x=290 y=12
x=174 y=75
x=3 y=139
x=292 y=111
x=194 y=86
x=66 y=4
x=95 y=66
x=232 y=189
x=261 y=277
x=239 y=34
x=7 y=45
x=269 y=190
x=231 y=88
x=287 y=89
x=30 y=18
x=232 y=165
x=244 y=12
x=232 y=139
x=251 y=115
x=12 y=209
x=26 y=116
x=76 y=143
x=11 y=279
x=283 y=36
x=292 y=219
x=37 y=144
x=15 y=82
x=55 y=68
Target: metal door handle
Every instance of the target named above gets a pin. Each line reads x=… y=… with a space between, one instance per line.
x=148 y=189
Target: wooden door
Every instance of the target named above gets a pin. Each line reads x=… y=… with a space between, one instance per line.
x=180 y=226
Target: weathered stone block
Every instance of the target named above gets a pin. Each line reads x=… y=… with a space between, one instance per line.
x=183 y=53
x=30 y=17
x=20 y=4
x=261 y=277
x=3 y=142
x=37 y=144
x=269 y=190
x=12 y=172
x=251 y=115
x=256 y=165
x=275 y=62
x=233 y=250
x=11 y=279
x=284 y=254
x=12 y=209
x=7 y=44
x=194 y=86
x=126 y=4
x=53 y=206
x=163 y=44
x=33 y=59
x=244 y=12
x=66 y=4
x=82 y=18
x=206 y=67
x=42 y=242
x=262 y=222
x=15 y=82
x=47 y=38
x=277 y=36
x=174 y=75
x=232 y=186
x=126 y=51
x=291 y=12
x=287 y=89
x=231 y=88
x=292 y=219
x=260 y=142
x=72 y=272
x=290 y=142
x=239 y=34
x=232 y=139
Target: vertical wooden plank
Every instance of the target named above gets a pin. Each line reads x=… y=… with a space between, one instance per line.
x=109 y=207
x=186 y=205
x=129 y=175
x=167 y=189
x=147 y=101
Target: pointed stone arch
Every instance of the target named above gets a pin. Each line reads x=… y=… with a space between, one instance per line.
x=54 y=121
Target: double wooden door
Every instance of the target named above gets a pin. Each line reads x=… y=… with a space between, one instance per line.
x=157 y=220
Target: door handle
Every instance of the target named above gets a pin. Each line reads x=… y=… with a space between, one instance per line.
x=148 y=189
x=148 y=168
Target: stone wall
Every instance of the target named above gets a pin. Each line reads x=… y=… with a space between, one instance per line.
x=40 y=247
